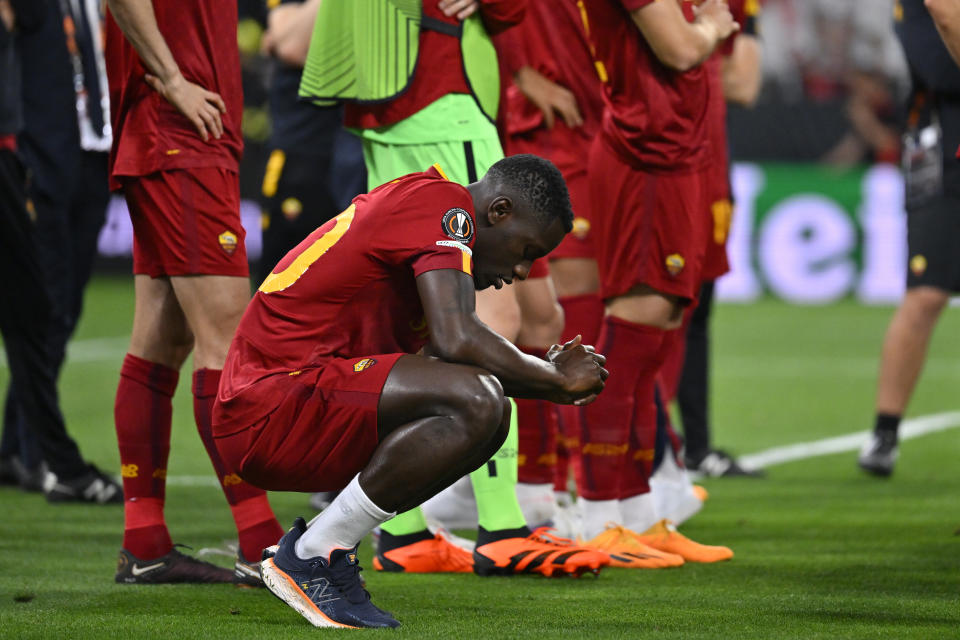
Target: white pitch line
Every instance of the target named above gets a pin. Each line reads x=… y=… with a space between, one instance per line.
x=912 y=428
x=909 y=429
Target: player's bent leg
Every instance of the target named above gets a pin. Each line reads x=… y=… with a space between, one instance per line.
x=213 y=306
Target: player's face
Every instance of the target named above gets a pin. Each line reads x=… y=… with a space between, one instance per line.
x=505 y=251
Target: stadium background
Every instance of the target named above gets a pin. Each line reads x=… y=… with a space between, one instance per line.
x=822 y=551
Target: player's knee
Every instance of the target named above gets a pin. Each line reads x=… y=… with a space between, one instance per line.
x=927 y=301
x=483 y=406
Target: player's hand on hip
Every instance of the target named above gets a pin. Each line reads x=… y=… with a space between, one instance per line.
x=201 y=107
x=549 y=97
x=462 y=9
x=582 y=371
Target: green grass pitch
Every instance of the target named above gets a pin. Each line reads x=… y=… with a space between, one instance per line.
x=821 y=550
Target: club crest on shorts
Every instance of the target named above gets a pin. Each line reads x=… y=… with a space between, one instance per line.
x=581 y=227
x=291 y=208
x=918 y=264
x=458 y=225
x=228 y=241
x=366 y=363
x=675 y=263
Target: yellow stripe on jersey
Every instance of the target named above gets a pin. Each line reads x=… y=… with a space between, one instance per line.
x=440 y=171
x=271 y=175
x=467 y=264
x=280 y=281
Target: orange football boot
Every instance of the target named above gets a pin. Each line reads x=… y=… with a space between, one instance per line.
x=540 y=552
x=436 y=555
x=700 y=492
x=626 y=551
x=665 y=537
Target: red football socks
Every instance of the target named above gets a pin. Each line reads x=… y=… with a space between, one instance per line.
x=608 y=438
x=257 y=527
x=583 y=315
x=537 y=434
x=142 y=413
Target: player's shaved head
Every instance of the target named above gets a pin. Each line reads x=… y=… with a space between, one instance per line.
x=538 y=183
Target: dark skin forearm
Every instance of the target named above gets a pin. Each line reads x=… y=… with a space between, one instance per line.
x=457 y=335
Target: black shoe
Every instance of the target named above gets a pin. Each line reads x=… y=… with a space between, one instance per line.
x=327 y=592
x=879 y=453
x=719 y=464
x=173 y=567
x=93 y=486
x=13 y=472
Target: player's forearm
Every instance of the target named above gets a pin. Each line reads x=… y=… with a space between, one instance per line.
x=139 y=24
x=742 y=75
x=946 y=17
x=676 y=43
x=473 y=343
x=291 y=38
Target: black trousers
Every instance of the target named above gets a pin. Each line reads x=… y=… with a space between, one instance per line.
x=26 y=311
x=694 y=386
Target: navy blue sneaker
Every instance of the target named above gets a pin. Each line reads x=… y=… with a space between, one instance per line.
x=328 y=593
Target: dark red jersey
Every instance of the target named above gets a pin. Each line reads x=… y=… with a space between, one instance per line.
x=439 y=68
x=149 y=134
x=655 y=117
x=552 y=40
x=349 y=289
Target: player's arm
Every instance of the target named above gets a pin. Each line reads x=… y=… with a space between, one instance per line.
x=575 y=374
x=289 y=27
x=741 y=72
x=139 y=24
x=946 y=17
x=679 y=44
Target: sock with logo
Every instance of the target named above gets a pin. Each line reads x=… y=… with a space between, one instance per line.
x=494 y=485
x=342 y=525
x=143 y=412
x=536 y=435
x=257 y=527
x=633 y=352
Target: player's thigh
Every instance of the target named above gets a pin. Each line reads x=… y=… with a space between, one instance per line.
x=419 y=387
x=574 y=276
x=644 y=305
x=213 y=306
x=160 y=330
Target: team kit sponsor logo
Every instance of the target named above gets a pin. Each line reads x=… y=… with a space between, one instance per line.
x=458 y=225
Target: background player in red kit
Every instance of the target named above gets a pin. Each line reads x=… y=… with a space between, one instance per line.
x=647 y=177
x=552 y=108
x=176 y=103
x=322 y=388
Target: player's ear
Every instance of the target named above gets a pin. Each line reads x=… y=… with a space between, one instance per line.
x=500 y=209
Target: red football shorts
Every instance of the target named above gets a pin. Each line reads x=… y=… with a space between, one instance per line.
x=719 y=214
x=187 y=222
x=320 y=427
x=649 y=228
x=539 y=269
x=563 y=148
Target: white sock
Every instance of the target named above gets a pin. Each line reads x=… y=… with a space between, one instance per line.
x=343 y=524
x=596 y=515
x=639 y=513
x=536 y=502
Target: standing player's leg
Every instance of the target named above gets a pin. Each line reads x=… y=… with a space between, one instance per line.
x=537 y=422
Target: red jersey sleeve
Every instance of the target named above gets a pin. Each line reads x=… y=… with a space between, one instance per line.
x=745 y=13
x=432 y=227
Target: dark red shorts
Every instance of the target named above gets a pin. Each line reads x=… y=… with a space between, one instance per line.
x=720 y=214
x=539 y=269
x=649 y=228
x=566 y=152
x=319 y=429
x=187 y=222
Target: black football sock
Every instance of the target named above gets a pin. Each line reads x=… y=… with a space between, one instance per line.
x=486 y=537
x=389 y=542
x=887 y=423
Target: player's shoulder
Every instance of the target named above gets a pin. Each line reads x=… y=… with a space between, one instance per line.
x=430 y=188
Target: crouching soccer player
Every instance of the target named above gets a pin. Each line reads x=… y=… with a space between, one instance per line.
x=326 y=385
